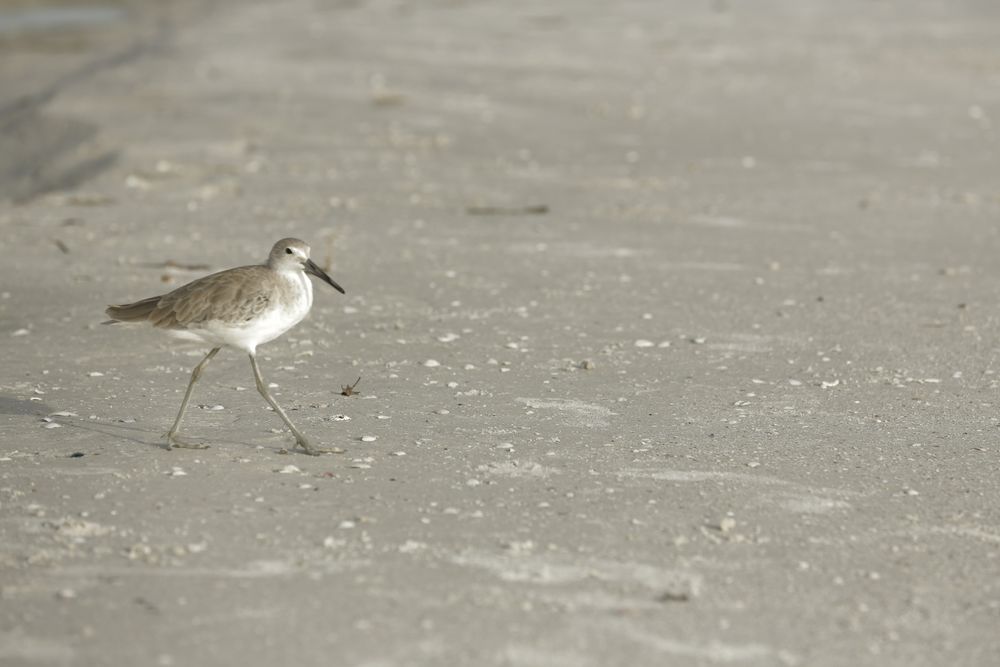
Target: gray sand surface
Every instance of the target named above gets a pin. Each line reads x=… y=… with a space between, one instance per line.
x=676 y=321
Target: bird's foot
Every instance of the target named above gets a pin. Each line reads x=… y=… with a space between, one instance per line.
x=312 y=450
x=173 y=440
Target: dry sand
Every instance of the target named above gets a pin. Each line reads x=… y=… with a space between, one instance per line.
x=676 y=322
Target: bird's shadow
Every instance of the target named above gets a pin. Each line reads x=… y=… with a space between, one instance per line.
x=158 y=440
x=10 y=405
x=18 y=406
x=121 y=432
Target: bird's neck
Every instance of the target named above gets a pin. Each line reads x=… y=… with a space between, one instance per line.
x=299 y=281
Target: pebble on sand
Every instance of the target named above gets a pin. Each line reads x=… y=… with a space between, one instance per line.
x=727 y=524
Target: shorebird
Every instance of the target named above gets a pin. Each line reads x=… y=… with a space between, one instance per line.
x=240 y=308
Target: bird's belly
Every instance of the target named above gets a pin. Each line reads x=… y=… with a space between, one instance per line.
x=279 y=317
x=265 y=327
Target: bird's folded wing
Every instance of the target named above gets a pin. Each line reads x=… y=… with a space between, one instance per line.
x=231 y=296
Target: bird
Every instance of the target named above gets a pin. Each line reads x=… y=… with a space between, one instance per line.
x=239 y=308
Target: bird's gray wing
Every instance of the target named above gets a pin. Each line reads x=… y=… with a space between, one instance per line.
x=233 y=296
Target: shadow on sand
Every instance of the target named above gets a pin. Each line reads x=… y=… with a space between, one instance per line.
x=19 y=406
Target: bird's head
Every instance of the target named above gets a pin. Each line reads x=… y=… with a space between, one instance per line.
x=293 y=255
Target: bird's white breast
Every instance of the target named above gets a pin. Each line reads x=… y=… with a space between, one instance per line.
x=289 y=304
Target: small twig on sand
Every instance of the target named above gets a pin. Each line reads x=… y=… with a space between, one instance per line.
x=349 y=389
x=171 y=264
x=539 y=209
x=328 y=262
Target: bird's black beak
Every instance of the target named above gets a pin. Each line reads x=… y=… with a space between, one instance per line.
x=321 y=274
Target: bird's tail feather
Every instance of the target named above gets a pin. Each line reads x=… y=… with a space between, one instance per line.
x=132 y=312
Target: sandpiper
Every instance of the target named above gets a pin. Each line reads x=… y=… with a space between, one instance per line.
x=241 y=308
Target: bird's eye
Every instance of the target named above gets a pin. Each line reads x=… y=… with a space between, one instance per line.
x=288 y=251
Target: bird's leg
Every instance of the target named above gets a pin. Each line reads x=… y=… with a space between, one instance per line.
x=172 y=438
x=300 y=439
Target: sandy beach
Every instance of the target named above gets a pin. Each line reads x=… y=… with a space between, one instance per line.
x=676 y=326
